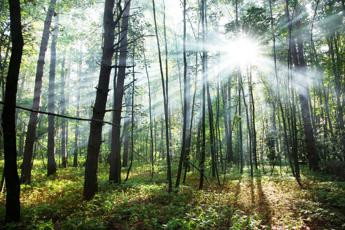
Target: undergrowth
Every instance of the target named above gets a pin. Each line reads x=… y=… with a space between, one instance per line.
x=263 y=202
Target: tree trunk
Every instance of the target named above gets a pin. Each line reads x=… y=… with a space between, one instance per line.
x=51 y=165
x=115 y=158
x=165 y=100
x=240 y=123
x=212 y=135
x=63 y=121
x=132 y=121
x=125 y=131
x=249 y=128
x=95 y=137
x=76 y=135
x=8 y=116
x=252 y=110
x=203 y=121
x=299 y=62
x=32 y=125
x=186 y=105
x=150 y=114
x=226 y=94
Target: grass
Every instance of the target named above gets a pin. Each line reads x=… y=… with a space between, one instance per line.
x=262 y=202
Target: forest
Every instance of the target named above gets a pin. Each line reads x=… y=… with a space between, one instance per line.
x=172 y=114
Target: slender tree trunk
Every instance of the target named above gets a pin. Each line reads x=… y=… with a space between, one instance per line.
x=186 y=104
x=126 y=138
x=95 y=137
x=171 y=153
x=63 y=121
x=203 y=119
x=252 y=108
x=32 y=125
x=150 y=114
x=51 y=102
x=132 y=121
x=212 y=135
x=275 y=111
x=249 y=128
x=165 y=100
x=8 y=116
x=115 y=159
x=240 y=122
x=226 y=93
x=76 y=134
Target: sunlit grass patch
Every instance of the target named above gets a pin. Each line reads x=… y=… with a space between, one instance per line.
x=242 y=202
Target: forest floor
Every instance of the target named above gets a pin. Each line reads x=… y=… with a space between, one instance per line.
x=262 y=202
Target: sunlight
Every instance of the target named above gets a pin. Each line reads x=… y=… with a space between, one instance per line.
x=242 y=51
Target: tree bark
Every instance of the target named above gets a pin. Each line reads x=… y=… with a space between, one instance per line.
x=300 y=63
x=32 y=125
x=165 y=101
x=125 y=131
x=115 y=158
x=252 y=110
x=8 y=116
x=186 y=135
x=76 y=134
x=132 y=121
x=51 y=165
x=63 y=121
x=150 y=114
x=95 y=137
x=203 y=119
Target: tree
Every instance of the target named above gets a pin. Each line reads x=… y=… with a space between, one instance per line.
x=8 y=115
x=186 y=104
x=63 y=111
x=299 y=62
x=126 y=125
x=165 y=101
x=76 y=135
x=51 y=101
x=150 y=115
x=115 y=158
x=31 y=130
x=95 y=137
x=204 y=72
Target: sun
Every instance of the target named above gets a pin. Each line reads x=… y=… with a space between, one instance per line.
x=242 y=51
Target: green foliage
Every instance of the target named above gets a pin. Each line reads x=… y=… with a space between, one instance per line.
x=241 y=221
x=256 y=21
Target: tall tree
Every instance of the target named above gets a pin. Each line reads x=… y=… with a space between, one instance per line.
x=115 y=157
x=8 y=115
x=300 y=64
x=76 y=134
x=32 y=125
x=204 y=73
x=95 y=137
x=150 y=115
x=126 y=126
x=63 y=111
x=51 y=101
x=132 y=117
x=165 y=101
x=186 y=104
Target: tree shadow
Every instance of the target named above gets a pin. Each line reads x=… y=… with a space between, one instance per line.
x=264 y=206
x=252 y=193
x=238 y=190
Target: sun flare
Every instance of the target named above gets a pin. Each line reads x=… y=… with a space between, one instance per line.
x=242 y=51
